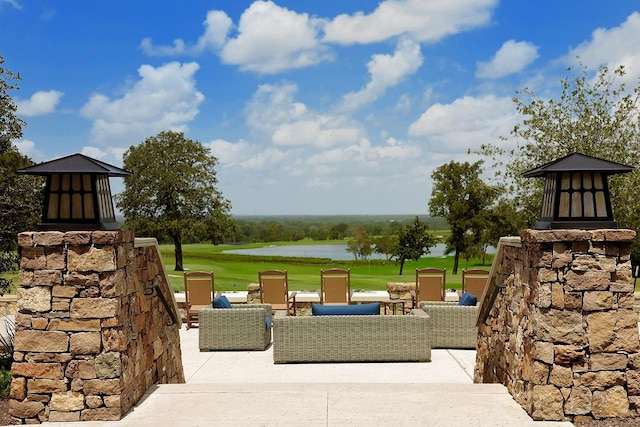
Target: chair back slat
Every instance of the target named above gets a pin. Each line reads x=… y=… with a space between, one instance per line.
x=335 y=286
x=474 y=281
x=199 y=287
x=273 y=290
x=198 y=291
x=274 y=287
x=430 y=284
x=335 y=290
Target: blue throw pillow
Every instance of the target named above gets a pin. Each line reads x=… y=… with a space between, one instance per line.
x=221 y=302
x=268 y=321
x=346 y=310
x=468 y=299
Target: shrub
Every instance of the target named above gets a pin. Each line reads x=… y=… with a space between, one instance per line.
x=6 y=344
x=5 y=383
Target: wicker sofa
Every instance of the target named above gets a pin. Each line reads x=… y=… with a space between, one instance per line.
x=452 y=325
x=338 y=338
x=241 y=327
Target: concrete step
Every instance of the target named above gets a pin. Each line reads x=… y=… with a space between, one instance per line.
x=320 y=404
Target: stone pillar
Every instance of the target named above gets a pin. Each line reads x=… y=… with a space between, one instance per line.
x=401 y=290
x=253 y=293
x=562 y=335
x=80 y=347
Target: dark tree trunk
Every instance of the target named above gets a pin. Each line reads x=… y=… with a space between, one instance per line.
x=456 y=260
x=401 y=265
x=177 y=243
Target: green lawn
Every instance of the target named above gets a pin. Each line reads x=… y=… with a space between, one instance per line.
x=234 y=272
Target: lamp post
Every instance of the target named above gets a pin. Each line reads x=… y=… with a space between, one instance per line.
x=576 y=192
x=77 y=194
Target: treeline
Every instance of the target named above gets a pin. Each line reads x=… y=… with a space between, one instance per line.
x=256 y=229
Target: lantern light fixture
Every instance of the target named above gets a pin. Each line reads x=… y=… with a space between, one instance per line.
x=77 y=193
x=576 y=192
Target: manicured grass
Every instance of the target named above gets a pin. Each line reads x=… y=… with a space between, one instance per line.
x=234 y=272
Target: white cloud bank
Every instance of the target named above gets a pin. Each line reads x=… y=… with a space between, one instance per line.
x=217 y=25
x=466 y=123
x=271 y=39
x=164 y=98
x=41 y=103
x=425 y=21
x=512 y=57
x=274 y=113
x=386 y=71
x=612 y=47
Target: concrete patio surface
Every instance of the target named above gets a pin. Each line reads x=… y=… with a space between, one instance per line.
x=245 y=388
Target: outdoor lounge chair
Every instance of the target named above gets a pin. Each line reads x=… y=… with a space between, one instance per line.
x=474 y=282
x=241 y=327
x=452 y=325
x=198 y=290
x=274 y=290
x=430 y=286
x=335 y=286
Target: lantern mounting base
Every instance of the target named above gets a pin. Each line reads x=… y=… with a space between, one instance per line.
x=575 y=225
x=72 y=226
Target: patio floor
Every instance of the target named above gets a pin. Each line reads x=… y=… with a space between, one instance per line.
x=245 y=388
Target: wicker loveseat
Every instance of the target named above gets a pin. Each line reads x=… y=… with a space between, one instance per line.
x=241 y=327
x=452 y=325
x=351 y=338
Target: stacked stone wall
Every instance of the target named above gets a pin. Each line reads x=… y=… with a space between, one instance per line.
x=562 y=334
x=89 y=340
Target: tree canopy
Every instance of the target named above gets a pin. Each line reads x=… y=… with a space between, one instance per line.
x=413 y=241
x=595 y=115
x=173 y=192
x=20 y=196
x=361 y=244
x=464 y=199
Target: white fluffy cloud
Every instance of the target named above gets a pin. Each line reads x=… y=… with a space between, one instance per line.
x=230 y=153
x=466 y=123
x=269 y=39
x=613 y=47
x=164 y=98
x=41 y=103
x=386 y=71
x=217 y=25
x=512 y=57
x=272 y=39
x=274 y=113
x=28 y=148
x=426 y=21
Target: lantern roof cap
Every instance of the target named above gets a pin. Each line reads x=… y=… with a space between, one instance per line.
x=75 y=163
x=578 y=162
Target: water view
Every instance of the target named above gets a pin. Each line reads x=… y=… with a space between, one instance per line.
x=335 y=252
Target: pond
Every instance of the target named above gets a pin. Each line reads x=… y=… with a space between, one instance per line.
x=335 y=252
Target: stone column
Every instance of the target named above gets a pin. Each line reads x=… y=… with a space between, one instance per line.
x=89 y=341
x=562 y=335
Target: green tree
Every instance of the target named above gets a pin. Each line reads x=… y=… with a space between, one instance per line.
x=464 y=199
x=413 y=241
x=361 y=243
x=594 y=115
x=172 y=190
x=338 y=231
x=385 y=245
x=20 y=196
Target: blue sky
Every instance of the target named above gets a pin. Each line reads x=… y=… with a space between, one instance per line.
x=314 y=107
